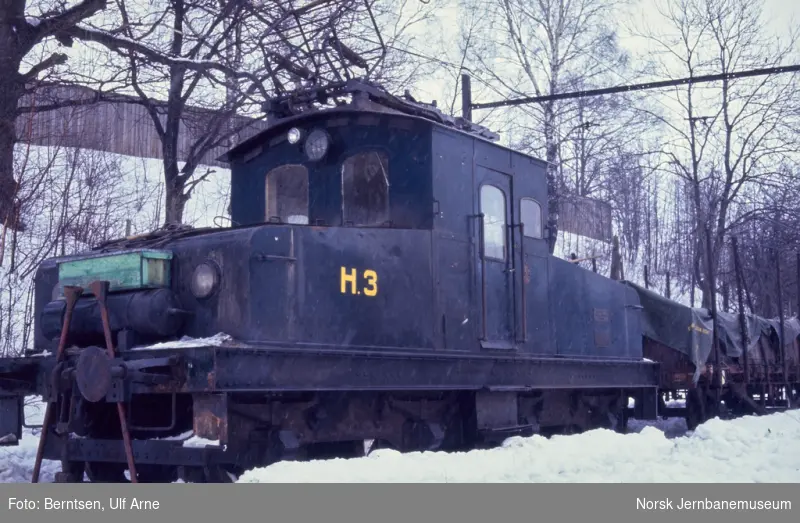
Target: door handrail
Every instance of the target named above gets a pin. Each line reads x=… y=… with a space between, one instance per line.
x=482 y=252
x=523 y=293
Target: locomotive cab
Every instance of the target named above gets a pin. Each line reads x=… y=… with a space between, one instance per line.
x=341 y=168
x=424 y=234
x=425 y=208
x=348 y=197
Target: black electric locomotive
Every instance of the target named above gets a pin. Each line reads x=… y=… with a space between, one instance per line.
x=386 y=277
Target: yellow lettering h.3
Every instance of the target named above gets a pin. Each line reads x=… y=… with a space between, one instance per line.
x=351 y=276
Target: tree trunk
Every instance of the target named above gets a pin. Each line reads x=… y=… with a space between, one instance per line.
x=9 y=211
x=10 y=92
x=175 y=205
x=551 y=155
x=175 y=198
x=709 y=261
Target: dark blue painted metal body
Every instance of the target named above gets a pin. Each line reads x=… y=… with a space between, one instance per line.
x=435 y=289
x=450 y=294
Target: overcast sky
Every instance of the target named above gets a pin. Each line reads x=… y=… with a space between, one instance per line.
x=779 y=14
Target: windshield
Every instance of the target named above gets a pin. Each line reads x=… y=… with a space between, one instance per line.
x=364 y=183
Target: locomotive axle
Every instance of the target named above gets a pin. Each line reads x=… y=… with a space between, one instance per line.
x=98 y=377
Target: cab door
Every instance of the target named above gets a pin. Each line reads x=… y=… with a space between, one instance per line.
x=495 y=259
x=538 y=300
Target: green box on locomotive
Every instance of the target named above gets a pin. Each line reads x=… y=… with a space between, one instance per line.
x=132 y=270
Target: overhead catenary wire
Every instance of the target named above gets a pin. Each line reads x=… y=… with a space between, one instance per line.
x=459 y=68
x=612 y=90
x=633 y=87
x=639 y=87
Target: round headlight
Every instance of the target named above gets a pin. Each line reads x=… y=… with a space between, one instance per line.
x=294 y=135
x=317 y=145
x=205 y=280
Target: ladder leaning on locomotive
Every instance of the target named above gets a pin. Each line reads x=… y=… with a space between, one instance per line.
x=386 y=278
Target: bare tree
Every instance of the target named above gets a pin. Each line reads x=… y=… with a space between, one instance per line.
x=730 y=136
x=548 y=47
x=20 y=32
x=408 y=30
x=71 y=199
x=229 y=57
x=768 y=237
x=627 y=193
x=185 y=31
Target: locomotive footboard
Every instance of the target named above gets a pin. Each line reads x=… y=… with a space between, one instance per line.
x=248 y=368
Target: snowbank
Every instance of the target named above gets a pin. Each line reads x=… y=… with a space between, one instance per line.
x=16 y=463
x=750 y=449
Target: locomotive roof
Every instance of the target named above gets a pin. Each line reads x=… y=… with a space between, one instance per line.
x=366 y=98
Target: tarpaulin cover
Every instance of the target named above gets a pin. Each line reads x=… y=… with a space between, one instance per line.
x=730 y=333
x=758 y=328
x=688 y=330
x=677 y=326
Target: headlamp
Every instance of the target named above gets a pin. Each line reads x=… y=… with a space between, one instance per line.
x=294 y=135
x=205 y=280
x=317 y=145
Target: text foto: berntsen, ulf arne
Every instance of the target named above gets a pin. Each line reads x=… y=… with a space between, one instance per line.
x=82 y=504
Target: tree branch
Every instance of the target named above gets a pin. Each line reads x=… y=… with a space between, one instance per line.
x=51 y=61
x=119 y=44
x=52 y=25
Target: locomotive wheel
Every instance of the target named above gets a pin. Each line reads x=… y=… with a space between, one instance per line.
x=101 y=421
x=735 y=407
x=612 y=417
x=561 y=430
x=335 y=449
x=701 y=406
x=210 y=474
x=71 y=472
x=694 y=409
x=379 y=444
x=156 y=473
x=99 y=472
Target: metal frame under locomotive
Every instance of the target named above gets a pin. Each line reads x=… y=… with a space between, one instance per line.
x=482 y=349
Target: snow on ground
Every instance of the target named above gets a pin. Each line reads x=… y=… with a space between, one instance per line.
x=16 y=463
x=750 y=449
x=671 y=427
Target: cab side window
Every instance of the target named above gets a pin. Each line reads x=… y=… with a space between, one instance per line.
x=287 y=194
x=493 y=207
x=531 y=217
x=365 y=189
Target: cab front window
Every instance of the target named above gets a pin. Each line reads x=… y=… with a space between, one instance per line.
x=365 y=189
x=287 y=194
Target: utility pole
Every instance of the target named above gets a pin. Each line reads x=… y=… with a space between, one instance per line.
x=466 y=97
